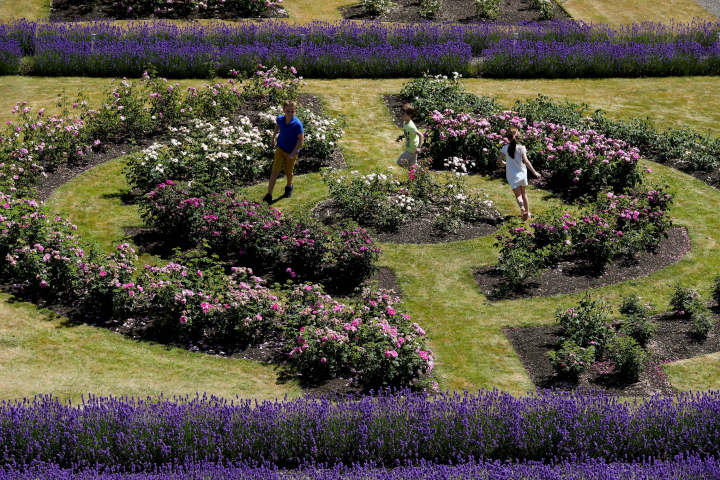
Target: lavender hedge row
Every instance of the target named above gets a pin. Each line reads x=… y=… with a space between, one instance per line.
x=680 y=468
x=388 y=430
x=533 y=59
x=192 y=59
x=479 y=36
x=371 y=49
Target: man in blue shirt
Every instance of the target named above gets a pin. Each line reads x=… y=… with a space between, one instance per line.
x=288 y=145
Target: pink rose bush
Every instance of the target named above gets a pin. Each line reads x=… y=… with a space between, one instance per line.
x=613 y=226
x=574 y=158
x=372 y=338
x=257 y=234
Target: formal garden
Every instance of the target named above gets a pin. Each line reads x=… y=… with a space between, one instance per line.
x=159 y=320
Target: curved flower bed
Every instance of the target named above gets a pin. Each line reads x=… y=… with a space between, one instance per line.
x=581 y=159
x=613 y=226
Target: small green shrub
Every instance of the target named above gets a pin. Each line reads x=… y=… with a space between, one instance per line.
x=571 y=359
x=640 y=328
x=701 y=322
x=627 y=355
x=429 y=8
x=631 y=306
x=546 y=8
x=586 y=324
x=685 y=300
x=488 y=8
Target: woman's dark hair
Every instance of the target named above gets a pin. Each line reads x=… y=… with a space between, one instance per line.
x=512 y=135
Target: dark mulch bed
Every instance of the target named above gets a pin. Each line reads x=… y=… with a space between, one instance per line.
x=73 y=10
x=575 y=274
x=670 y=343
x=417 y=231
x=463 y=11
x=712 y=177
x=63 y=174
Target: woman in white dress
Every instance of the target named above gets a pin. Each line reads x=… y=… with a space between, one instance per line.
x=516 y=172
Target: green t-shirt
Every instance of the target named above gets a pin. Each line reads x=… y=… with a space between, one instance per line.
x=412 y=136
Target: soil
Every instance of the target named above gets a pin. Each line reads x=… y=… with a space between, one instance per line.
x=575 y=274
x=78 y=11
x=394 y=104
x=462 y=11
x=712 y=177
x=671 y=342
x=63 y=174
x=418 y=231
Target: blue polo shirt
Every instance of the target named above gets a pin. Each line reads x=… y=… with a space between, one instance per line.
x=289 y=132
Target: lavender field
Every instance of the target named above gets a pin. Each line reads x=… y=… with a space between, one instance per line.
x=557 y=49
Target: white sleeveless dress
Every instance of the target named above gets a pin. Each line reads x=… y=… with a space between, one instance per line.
x=516 y=171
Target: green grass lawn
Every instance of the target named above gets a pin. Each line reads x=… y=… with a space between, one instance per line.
x=620 y=12
x=436 y=281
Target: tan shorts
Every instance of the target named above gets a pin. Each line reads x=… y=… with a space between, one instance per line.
x=407 y=159
x=281 y=159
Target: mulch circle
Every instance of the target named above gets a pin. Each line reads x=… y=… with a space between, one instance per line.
x=671 y=342
x=462 y=11
x=418 y=231
x=575 y=274
x=71 y=11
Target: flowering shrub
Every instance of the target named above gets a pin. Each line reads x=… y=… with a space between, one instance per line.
x=280 y=84
x=10 y=54
x=571 y=359
x=430 y=8
x=488 y=8
x=613 y=226
x=440 y=92
x=212 y=155
x=375 y=8
x=546 y=8
x=631 y=306
x=579 y=159
x=257 y=234
x=586 y=324
x=685 y=300
x=385 y=200
x=321 y=133
x=371 y=338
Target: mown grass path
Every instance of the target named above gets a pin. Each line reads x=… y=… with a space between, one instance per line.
x=436 y=280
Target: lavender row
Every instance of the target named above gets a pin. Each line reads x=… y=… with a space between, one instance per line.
x=479 y=36
x=528 y=59
x=385 y=430
x=193 y=59
x=680 y=468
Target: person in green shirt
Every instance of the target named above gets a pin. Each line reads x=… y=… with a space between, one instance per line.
x=413 y=138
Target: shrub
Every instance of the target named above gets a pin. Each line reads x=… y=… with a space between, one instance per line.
x=639 y=328
x=372 y=338
x=631 y=306
x=430 y=8
x=586 y=324
x=279 y=84
x=546 y=8
x=628 y=358
x=685 y=300
x=10 y=54
x=701 y=322
x=488 y=8
x=440 y=92
x=385 y=200
x=571 y=359
x=375 y=8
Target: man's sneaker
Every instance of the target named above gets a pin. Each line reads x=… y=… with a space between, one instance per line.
x=267 y=198
x=289 y=190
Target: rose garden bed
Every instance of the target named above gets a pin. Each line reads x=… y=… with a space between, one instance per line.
x=671 y=342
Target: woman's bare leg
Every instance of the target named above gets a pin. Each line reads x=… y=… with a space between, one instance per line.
x=525 y=201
